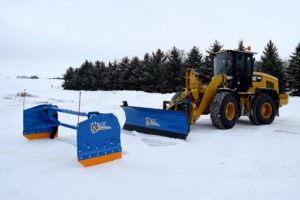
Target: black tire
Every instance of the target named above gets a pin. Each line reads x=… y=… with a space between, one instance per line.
x=220 y=117
x=253 y=116
x=263 y=110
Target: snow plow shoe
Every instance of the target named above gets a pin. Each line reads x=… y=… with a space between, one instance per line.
x=98 y=137
x=156 y=121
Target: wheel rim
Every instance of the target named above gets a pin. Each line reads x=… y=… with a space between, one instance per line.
x=266 y=110
x=230 y=111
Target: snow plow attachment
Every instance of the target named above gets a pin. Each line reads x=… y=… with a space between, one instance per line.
x=152 y=121
x=98 y=137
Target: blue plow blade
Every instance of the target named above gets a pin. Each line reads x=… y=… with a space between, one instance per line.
x=98 y=136
x=152 y=121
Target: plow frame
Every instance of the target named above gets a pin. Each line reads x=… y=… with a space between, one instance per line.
x=98 y=137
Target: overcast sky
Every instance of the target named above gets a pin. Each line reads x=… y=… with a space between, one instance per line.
x=46 y=37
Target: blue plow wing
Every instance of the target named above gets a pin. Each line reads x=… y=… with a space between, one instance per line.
x=156 y=121
x=98 y=136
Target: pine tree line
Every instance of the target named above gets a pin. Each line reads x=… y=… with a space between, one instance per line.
x=157 y=72
x=164 y=71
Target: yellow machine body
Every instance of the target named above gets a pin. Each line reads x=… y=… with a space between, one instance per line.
x=201 y=95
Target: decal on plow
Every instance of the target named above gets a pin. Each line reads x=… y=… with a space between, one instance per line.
x=151 y=122
x=95 y=127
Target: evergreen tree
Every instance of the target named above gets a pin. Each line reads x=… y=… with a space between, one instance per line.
x=69 y=79
x=148 y=80
x=208 y=61
x=194 y=59
x=173 y=71
x=241 y=46
x=112 y=76
x=293 y=70
x=76 y=82
x=98 y=78
x=135 y=79
x=84 y=76
x=125 y=73
x=272 y=64
x=158 y=62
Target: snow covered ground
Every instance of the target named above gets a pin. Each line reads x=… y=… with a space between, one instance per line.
x=246 y=162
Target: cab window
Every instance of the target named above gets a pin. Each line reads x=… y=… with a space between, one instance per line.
x=222 y=64
x=243 y=64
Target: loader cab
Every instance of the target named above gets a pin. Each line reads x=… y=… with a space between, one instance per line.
x=237 y=65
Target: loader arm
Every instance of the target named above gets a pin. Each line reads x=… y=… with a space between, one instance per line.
x=207 y=97
x=199 y=94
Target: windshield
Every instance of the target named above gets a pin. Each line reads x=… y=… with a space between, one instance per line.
x=222 y=64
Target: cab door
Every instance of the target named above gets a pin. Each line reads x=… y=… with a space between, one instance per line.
x=244 y=69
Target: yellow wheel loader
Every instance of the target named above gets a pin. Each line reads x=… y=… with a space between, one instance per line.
x=235 y=90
